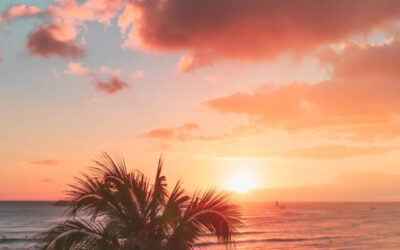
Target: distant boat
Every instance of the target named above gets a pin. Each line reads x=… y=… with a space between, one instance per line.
x=277 y=205
x=62 y=203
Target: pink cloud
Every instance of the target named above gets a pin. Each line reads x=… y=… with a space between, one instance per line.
x=320 y=152
x=54 y=40
x=46 y=180
x=45 y=162
x=337 y=106
x=110 y=86
x=360 y=101
x=137 y=74
x=125 y=19
x=329 y=152
x=18 y=11
x=58 y=38
x=160 y=133
x=182 y=133
x=189 y=127
x=210 y=31
x=364 y=60
x=91 y=10
x=76 y=69
x=212 y=79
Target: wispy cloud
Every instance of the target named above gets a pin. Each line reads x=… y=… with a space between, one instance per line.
x=331 y=151
x=182 y=133
x=110 y=86
x=19 y=11
x=45 y=162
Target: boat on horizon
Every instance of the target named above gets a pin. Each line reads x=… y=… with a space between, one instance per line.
x=277 y=205
x=62 y=203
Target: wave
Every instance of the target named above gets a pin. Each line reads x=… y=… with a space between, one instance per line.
x=16 y=240
x=204 y=244
x=238 y=233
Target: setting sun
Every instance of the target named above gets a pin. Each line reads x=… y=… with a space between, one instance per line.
x=241 y=182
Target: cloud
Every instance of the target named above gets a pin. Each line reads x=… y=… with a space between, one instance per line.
x=329 y=152
x=182 y=133
x=164 y=133
x=364 y=60
x=58 y=38
x=210 y=31
x=361 y=100
x=137 y=74
x=76 y=69
x=45 y=162
x=324 y=152
x=301 y=106
x=91 y=10
x=110 y=86
x=18 y=11
x=46 y=180
x=212 y=79
x=54 y=40
x=68 y=19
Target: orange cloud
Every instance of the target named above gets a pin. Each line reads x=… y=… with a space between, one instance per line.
x=18 y=11
x=91 y=10
x=76 y=69
x=182 y=133
x=328 y=152
x=46 y=180
x=361 y=100
x=301 y=106
x=210 y=31
x=45 y=162
x=137 y=74
x=164 y=133
x=58 y=39
x=364 y=60
x=110 y=86
x=54 y=40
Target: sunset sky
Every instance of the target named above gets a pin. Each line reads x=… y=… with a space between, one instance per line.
x=299 y=99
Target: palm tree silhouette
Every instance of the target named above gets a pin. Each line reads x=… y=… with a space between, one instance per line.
x=113 y=208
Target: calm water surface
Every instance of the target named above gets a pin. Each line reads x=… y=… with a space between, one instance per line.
x=299 y=226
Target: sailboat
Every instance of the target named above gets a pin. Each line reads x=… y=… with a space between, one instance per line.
x=277 y=205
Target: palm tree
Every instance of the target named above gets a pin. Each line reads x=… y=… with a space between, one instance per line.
x=121 y=209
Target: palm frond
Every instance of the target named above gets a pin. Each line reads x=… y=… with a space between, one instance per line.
x=125 y=207
x=78 y=234
x=210 y=212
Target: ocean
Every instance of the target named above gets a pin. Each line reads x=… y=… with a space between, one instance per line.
x=302 y=225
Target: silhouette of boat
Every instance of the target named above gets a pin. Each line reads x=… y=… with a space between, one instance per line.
x=277 y=205
x=62 y=203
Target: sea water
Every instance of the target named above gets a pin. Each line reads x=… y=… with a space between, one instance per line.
x=301 y=225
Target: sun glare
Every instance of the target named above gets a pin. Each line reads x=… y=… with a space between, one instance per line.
x=241 y=182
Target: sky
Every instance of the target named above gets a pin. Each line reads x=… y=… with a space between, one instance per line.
x=276 y=100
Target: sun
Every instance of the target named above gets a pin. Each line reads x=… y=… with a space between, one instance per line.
x=241 y=182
